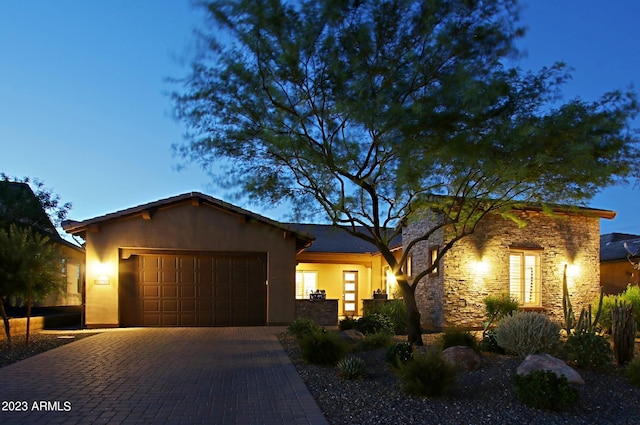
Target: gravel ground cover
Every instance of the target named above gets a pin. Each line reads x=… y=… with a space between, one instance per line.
x=38 y=343
x=485 y=396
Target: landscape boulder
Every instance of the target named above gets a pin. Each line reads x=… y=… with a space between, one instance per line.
x=462 y=357
x=352 y=335
x=543 y=362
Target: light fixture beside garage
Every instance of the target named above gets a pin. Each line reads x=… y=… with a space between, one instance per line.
x=102 y=273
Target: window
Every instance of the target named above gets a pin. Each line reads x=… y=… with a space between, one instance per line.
x=524 y=277
x=433 y=257
x=306 y=282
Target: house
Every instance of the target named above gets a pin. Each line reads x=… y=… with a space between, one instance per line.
x=503 y=257
x=347 y=268
x=619 y=259
x=19 y=205
x=194 y=260
x=188 y=260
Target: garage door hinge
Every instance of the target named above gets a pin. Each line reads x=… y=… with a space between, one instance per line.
x=266 y=283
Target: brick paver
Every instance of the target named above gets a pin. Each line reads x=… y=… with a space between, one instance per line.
x=160 y=376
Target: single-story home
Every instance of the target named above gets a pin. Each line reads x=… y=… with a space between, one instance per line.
x=194 y=260
x=619 y=261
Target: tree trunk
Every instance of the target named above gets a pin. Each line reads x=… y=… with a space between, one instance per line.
x=28 y=316
x=5 y=319
x=414 y=330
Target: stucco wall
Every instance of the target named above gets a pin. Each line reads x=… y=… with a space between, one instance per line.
x=189 y=228
x=478 y=265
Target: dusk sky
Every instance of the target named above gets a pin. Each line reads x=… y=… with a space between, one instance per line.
x=84 y=104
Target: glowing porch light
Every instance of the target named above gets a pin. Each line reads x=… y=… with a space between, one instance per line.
x=102 y=272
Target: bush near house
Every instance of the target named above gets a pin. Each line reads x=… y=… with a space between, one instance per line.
x=455 y=336
x=527 y=333
x=322 y=348
x=631 y=296
x=545 y=390
x=375 y=323
x=589 y=351
x=395 y=310
x=303 y=327
x=427 y=375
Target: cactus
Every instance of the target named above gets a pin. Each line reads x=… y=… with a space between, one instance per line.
x=585 y=323
x=624 y=332
x=351 y=367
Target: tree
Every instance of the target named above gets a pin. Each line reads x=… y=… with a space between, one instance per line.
x=28 y=269
x=17 y=204
x=373 y=113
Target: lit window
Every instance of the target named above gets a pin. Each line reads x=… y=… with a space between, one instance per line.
x=433 y=258
x=524 y=277
x=305 y=284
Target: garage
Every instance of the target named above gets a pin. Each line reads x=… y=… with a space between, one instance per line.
x=188 y=260
x=216 y=289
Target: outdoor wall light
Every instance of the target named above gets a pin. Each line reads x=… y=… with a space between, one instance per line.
x=480 y=267
x=573 y=270
x=102 y=272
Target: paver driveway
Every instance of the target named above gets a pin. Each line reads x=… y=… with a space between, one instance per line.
x=158 y=376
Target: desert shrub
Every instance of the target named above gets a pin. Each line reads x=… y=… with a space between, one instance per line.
x=395 y=310
x=631 y=295
x=632 y=371
x=347 y=323
x=303 y=327
x=589 y=351
x=427 y=375
x=456 y=336
x=497 y=307
x=323 y=348
x=374 y=323
x=545 y=390
x=489 y=343
x=375 y=340
x=352 y=367
x=399 y=354
x=527 y=333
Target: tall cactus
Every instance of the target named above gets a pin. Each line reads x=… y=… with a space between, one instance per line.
x=624 y=332
x=585 y=323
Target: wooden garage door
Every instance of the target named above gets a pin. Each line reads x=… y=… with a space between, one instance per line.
x=216 y=290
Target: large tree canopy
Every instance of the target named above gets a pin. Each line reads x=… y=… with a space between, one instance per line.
x=372 y=112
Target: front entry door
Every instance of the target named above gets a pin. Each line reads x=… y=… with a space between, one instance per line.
x=350 y=295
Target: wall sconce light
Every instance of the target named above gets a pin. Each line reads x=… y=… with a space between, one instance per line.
x=480 y=267
x=573 y=270
x=102 y=270
x=102 y=280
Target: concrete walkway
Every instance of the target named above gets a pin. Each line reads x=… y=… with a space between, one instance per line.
x=160 y=376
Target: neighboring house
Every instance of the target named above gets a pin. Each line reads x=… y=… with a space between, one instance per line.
x=188 y=260
x=347 y=268
x=526 y=262
x=619 y=257
x=19 y=205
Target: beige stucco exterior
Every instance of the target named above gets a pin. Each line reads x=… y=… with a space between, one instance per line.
x=185 y=225
x=478 y=265
x=331 y=266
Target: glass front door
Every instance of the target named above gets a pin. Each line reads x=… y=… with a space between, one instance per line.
x=350 y=295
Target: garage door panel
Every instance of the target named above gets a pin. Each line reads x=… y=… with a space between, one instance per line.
x=219 y=290
x=169 y=291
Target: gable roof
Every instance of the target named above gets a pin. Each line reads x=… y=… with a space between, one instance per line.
x=196 y=198
x=331 y=239
x=612 y=246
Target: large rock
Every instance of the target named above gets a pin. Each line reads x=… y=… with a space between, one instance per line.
x=352 y=335
x=535 y=362
x=462 y=357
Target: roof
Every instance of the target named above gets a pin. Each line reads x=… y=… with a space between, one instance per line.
x=617 y=246
x=80 y=227
x=331 y=238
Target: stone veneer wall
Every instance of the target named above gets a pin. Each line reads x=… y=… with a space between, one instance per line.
x=323 y=312
x=456 y=296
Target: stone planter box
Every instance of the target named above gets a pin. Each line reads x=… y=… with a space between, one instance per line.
x=322 y=311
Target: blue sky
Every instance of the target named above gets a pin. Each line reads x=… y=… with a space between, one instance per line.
x=83 y=102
